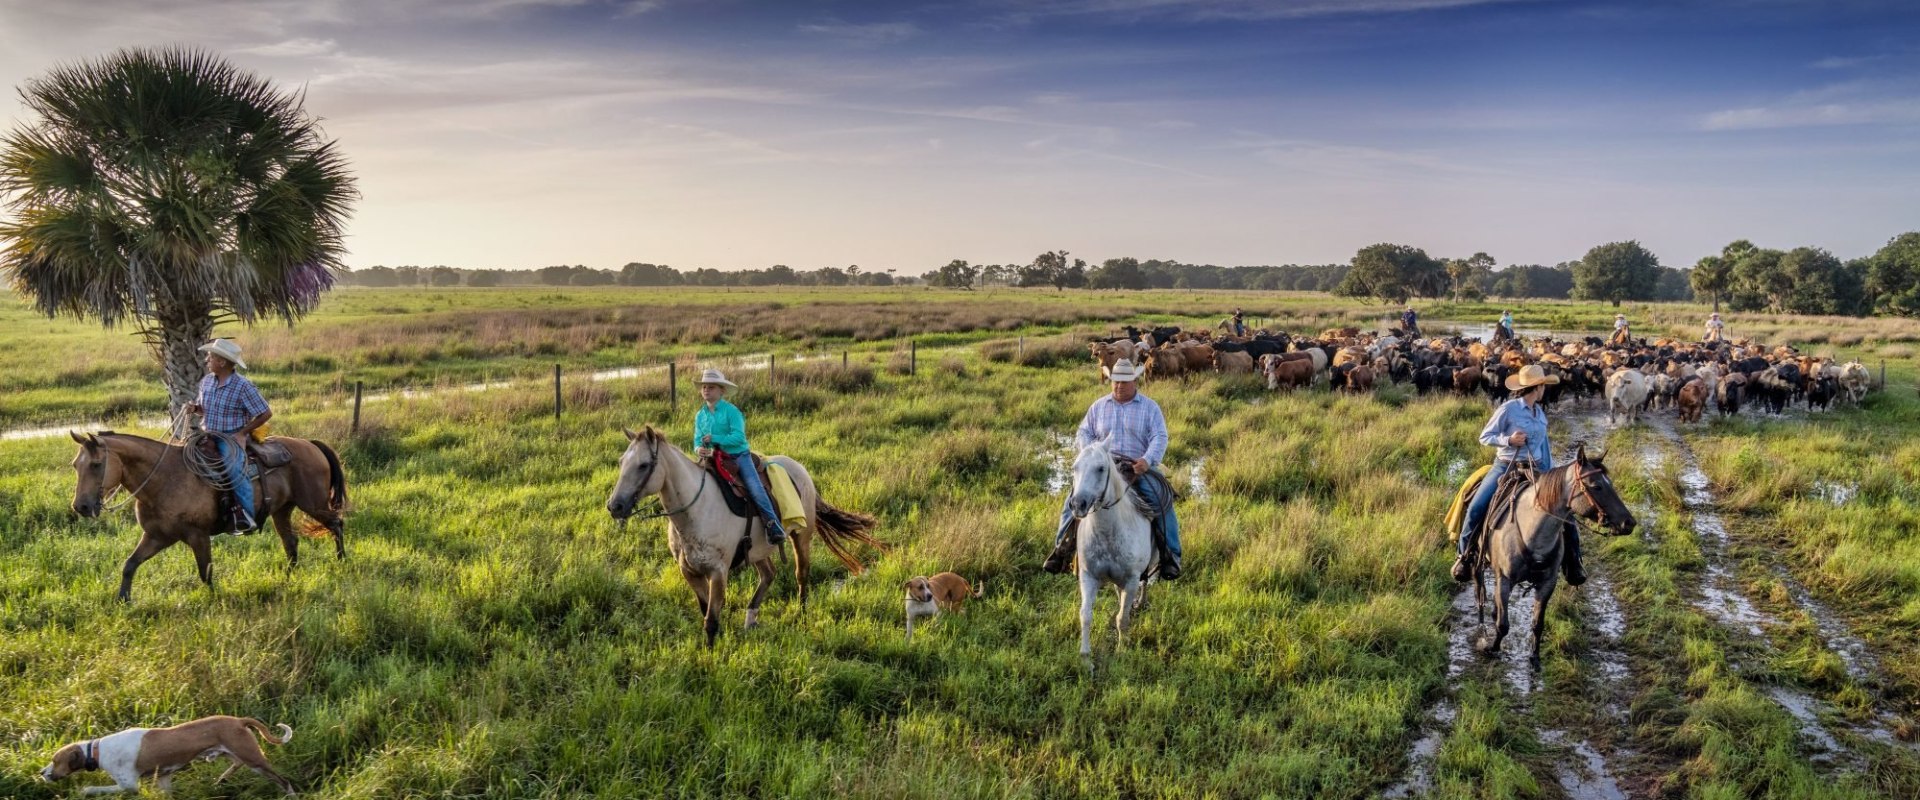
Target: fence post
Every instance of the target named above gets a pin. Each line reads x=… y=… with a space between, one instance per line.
x=771 y=383
x=843 y=359
x=358 y=386
x=1883 y=374
x=556 y=393
x=673 y=387
x=913 y=357
x=1023 y=347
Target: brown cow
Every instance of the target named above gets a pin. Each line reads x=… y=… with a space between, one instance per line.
x=1106 y=354
x=1466 y=380
x=1166 y=362
x=1360 y=380
x=1692 y=400
x=1197 y=354
x=1287 y=373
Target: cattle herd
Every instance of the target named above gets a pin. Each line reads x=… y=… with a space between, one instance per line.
x=1631 y=378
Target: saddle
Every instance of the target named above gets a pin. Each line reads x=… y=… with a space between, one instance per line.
x=1163 y=488
x=724 y=468
x=262 y=457
x=1506 y=496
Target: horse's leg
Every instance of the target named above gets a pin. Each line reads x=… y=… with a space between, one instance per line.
x=283 y=522
x=699 y=586
x=802 y=560
x=1502 y=598
x=1129 y=593
x=716 y=605
x=202 y=557
x=145 y=549
x=1089 y=591
x=764 y=568
x=1542 y=593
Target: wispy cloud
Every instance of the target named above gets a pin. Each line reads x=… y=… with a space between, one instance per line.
x=293 y=48
x=1817 y=115
x=1846 y=62
x=873 y=33
x=1226 y=10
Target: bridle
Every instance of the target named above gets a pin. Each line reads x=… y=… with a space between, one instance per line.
x=1107 y=491
x=133 y=495
x=1580 y=483
x=653 y=461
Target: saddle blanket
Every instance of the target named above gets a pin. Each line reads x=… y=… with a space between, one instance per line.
x=1457 y=515
x=786 y=499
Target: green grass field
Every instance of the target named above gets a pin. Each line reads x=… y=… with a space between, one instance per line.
x=493 y=635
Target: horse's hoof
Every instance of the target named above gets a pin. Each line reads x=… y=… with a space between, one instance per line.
x=1534 y=663
x=753 y=620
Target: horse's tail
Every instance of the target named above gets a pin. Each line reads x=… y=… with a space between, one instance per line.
x=980 y=589
x=336 y=477
x=840 y=530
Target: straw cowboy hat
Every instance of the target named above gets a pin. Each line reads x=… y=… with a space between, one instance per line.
x=1528 y=377
x=1123 y=371
x=713 y=376
x=225 y=348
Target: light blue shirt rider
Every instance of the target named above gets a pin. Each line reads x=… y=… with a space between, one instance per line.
x=1514 y=417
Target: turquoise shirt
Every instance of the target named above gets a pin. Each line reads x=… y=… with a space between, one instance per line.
x=724 y=423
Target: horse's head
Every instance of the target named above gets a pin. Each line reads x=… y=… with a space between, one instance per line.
x=99 y=473
x=1594 y=497
x=1092 y=470
x=640 y=475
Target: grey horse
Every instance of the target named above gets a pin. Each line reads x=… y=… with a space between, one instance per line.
x=1115 y=546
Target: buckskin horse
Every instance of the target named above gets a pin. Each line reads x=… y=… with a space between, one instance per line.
x=708 y=541
x=173 y=504
x=1526 y=546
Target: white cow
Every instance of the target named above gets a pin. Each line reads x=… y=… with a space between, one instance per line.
x=1626 y=392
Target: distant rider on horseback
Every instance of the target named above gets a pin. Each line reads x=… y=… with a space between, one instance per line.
x=1136 y=431
x=1716 y=330
x=1410 y=322
x=232 y=407
x=1519 y=429
x=720 y=431
x=1620 y=332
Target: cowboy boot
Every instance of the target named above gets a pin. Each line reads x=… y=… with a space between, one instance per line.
x=1462 y=568
x=776 y=535
x=1169 y=567
x=1061 y=559
x=1570 y=561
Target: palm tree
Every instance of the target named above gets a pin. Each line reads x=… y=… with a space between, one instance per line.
x=168 y=189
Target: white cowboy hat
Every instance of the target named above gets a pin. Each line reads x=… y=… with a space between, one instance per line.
x=1716 y=315
x=1529 y=376
x=225 y=348
x=1619 y=316
x=713 y=376
x=1123 y=371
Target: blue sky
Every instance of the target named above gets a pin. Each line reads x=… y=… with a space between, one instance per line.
x=518 y=133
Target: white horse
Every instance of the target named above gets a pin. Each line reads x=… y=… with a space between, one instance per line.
x=705 y=537
x=1115 y=542
x=1626 y=393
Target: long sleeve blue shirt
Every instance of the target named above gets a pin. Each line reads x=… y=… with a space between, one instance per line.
x=1138 y=428
x=724 y=423
x=1514 y=417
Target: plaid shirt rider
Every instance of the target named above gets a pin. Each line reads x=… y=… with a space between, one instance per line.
x=229 y=406
x=1138 y=428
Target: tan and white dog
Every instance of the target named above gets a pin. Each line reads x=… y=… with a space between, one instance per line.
x=927 y=597
x=134 y=753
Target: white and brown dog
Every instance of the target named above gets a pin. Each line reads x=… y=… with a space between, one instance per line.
x=927 y=597
x=131 y=754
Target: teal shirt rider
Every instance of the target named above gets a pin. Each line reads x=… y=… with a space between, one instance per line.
x=725 y=424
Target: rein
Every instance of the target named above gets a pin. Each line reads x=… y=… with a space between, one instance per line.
x=1578 y=482
x=653 y=461
x=135 y=494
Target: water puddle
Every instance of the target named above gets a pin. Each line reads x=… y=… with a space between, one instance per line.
x=1456 y=471
x=1801 y=708
x=1420 y=756
x=1836 y=493
x=1058 y=452
x=1197 y=480
x=1590 y=780
x=1853 y=652
x=1720 y=595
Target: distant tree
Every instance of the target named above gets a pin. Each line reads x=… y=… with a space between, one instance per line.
x=1758 y=282
x=1392 y=273
x=1616 y=271
x=484 y=277
x=1118 y=273
x=1673 y=285
x=1047 y=269
x=957 y=274
x=1711 y=276
x=376 y=276
x=407 y=276
x=635 y=273
x=1892 y=281
x=829 y=276
x=585 y=276
x=443 y=276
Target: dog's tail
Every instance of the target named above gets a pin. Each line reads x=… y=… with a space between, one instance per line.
x=286 y=731
x=979 y=589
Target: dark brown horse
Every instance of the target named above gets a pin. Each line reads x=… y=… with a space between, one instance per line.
x=172 y=504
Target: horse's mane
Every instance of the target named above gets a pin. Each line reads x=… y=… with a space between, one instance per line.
x=1550 y=492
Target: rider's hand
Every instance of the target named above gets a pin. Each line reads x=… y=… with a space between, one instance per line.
x=194 y=408
x=704 y=452
x=1139 y=466
x=1518 y=439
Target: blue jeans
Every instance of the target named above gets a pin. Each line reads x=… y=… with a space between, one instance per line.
x=1477 y=508
x=235 y=456
x=743 y=466
x=1150 y=491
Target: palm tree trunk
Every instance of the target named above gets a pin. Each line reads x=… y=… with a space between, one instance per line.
x=180 y=336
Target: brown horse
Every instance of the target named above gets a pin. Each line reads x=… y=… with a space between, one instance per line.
x=172 y=504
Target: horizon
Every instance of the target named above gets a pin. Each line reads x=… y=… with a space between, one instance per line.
x=513 y=134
